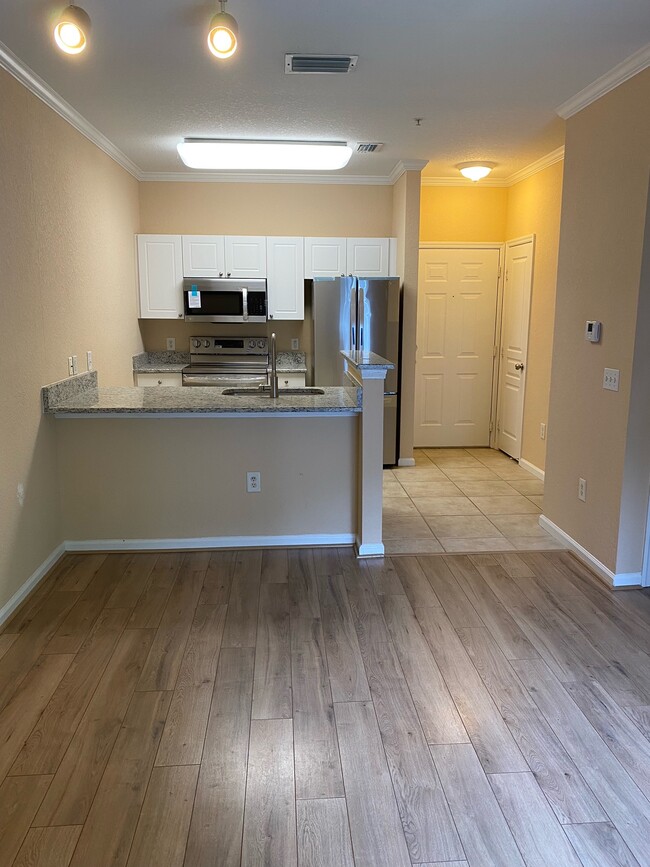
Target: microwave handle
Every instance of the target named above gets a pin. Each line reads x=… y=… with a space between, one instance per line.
x=244 y=295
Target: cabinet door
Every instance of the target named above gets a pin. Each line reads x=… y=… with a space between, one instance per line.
x=325 y=257
x=286 y=278
x=160 y=269
x=245 y=256
x=204 y=256
x=368 y=257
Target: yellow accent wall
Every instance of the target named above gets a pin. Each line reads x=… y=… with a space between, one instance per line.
x=472 y=213
x=478 y=214
x=534 y=206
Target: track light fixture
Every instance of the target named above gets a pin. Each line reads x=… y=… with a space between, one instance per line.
x=222 y=37
x=72 y=29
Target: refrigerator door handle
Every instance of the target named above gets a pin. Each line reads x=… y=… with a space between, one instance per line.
x=353 y=344
x=361 y=315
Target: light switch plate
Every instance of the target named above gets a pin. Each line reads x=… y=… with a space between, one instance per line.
x=610 y=378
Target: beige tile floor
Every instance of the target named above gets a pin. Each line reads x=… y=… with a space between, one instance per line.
x=468 y=500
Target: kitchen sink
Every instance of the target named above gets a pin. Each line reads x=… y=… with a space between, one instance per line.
x=266 y=392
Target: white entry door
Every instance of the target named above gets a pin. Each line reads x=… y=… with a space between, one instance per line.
x=514 y=344
x=457 y=302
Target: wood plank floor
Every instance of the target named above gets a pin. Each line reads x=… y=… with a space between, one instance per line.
x=302 y=708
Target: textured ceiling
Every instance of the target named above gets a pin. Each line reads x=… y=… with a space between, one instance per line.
x=485 y=75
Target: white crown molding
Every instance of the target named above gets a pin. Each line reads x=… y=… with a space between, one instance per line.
x=635 y=63
x=265 y=178
x=460 y=181
x=405 y=166
x=43 y=91
x=539 y=165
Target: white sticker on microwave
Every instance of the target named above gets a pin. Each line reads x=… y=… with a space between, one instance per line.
x=194 y=297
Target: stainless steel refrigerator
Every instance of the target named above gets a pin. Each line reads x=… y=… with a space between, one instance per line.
x=359 y=313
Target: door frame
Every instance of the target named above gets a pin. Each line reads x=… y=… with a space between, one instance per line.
x=515 y=242
x=500 y=246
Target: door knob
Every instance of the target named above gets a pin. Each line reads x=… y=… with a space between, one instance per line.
x=519 y=366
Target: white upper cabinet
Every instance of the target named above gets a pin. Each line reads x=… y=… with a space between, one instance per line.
x=368 y=257
x=285 y=278
x=204 y=256
x=325 y=257
x=160 y=270
x=245 y=256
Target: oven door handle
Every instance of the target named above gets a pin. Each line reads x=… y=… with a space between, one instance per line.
x=244 y=298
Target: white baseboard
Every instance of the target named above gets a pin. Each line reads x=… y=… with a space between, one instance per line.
x=406 y=462
x=620 y=579
x=535 y=471
x=202 y=542
x=35 y=578
x=375 y=550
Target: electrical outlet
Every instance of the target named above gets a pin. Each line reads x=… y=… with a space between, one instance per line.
x=295 y=343
x=89 y=360
x=582 y=490
x=610 y=378
x=253 y=482
x=171 y=344
x=75 y=365
x=70 y=366
x=20 y=493
x=542 y=431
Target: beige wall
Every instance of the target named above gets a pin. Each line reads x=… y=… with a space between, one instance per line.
x=180 y=478
x=266 y=209
x=69 y=214
x=534 y=208
x=474 y=213
x=607 y=166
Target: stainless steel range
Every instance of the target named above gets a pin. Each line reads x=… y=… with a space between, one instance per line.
x=228 y=362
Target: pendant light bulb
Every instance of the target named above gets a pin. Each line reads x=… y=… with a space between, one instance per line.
x=72 y=29
x=222 y=37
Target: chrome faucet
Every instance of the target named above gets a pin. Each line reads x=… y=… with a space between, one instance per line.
x=274 y=368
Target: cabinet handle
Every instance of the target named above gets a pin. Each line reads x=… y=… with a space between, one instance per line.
x=270 y=316
x=180 y=315
x=160 y=382
x=221 y=273
x=228 y=274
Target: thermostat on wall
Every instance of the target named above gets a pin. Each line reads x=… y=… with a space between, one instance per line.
x=592 y=331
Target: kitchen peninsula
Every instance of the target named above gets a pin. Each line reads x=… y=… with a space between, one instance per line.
x=166 y=467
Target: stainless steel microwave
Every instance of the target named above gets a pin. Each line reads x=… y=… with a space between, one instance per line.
x=225 y=300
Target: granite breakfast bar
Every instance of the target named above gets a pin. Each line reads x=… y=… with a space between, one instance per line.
x=166 y=467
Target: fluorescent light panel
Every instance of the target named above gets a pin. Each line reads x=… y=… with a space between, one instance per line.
x=247 y=155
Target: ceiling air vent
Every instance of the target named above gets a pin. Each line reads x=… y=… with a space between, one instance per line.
x=306 y=64
x=369 y=147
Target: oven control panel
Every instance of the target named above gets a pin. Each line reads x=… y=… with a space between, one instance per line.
x=229 y=345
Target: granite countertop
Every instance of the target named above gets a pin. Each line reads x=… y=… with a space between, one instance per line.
x=160 y=362
x=174 y=362
x=367 y=360
x=81 y=396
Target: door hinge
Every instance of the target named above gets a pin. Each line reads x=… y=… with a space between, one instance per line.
x=495 y=349
x=491 y=427
x=499 y=274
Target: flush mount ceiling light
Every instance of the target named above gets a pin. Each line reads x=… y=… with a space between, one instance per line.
x=250 y=155
x=222 y=37
x=72 y=29
x=474 y=170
